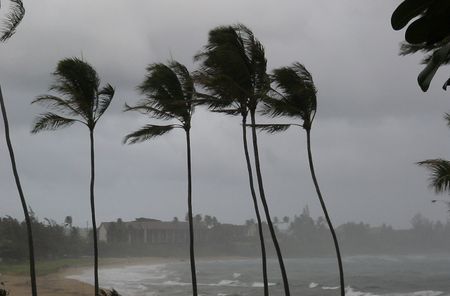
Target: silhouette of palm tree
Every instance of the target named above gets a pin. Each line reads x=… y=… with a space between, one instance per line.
x=439 y=169
x=427 y=32
x=80 y=100
x=169 y=91
x=295 y=96
x=233 y=71
x=10 y=24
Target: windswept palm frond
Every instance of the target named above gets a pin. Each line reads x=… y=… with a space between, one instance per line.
x=77 y=84
x=447 y=118
x=440 y=174
x=185 y=79
x=148 y=132
x=12 y=20
x=232 y=112
x=169 y=89
x=57 y=104
x=105 y=96
x=294 y=96
x=447 y=83
x=225 y=70
x=147 y=110
x=271 y=128
x=51 y=121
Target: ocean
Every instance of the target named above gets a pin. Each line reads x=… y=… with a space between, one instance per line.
x=365 y=276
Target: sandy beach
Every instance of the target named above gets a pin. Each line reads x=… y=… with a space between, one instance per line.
x=57 y=284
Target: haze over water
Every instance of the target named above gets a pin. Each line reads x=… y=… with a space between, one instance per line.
x=366 y=276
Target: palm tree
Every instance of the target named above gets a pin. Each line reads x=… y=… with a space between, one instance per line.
x=12 y=21
x=233 y=71
x=169 y=91
x=80 y=100
x=439 y=169
x=295 y=96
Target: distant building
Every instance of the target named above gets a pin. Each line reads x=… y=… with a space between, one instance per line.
x=144 y=231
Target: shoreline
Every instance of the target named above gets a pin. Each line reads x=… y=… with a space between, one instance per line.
x=58 y=283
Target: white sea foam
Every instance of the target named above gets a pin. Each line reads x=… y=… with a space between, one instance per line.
x=261 y=285
x=229 y=283
x=171 y=283
x=352 y=292
x=236 y=275
x=129 y=280
x=313 y=285
x=330 y=288
x=418 y=293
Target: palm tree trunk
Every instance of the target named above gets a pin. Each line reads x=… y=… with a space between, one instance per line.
x=94 y=224
x=255 y=204
x=190 y=218
x=22 y=198
x=327 y=217
x=266 y=208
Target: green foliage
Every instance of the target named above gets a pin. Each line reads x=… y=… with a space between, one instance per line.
x=12 y=20
x=79 y=96
x=233 y=70
x=170 y=94
x=429 y=33
x=147 y=132
x=294 y=95
x=440 y=174
x=51 y=240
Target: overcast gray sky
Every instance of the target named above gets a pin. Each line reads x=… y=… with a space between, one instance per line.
x=373 y=122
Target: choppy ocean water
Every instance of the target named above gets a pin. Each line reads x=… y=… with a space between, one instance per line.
x=365 y=276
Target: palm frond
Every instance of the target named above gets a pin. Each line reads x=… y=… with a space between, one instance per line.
x=439 y=57
x=185 y=78
x=169 y=89
x=105 y=96
x=225 y=70
x=294 y=94
x=271 y=128
x=447 y=83
x=58 y=104
x=447 y=118
x=232 y=112
x=440 y=174
x=76 y=84
x=12 y=20
x=51 y=121
x=148 y=132
x=147 y=110
x=78 y=81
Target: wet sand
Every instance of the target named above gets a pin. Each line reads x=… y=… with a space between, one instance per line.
x=57 y=284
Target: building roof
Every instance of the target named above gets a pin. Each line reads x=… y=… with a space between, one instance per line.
x=147 y=223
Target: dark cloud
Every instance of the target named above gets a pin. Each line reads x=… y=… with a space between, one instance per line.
x=373 y=122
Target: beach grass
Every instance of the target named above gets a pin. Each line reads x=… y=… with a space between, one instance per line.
x=43 y=267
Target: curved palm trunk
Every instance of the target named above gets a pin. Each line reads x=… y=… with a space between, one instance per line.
x=255 y=204
x=190 y=218
x=266 y=208
x=94 y=224
x=22 y=198
x=327 y=217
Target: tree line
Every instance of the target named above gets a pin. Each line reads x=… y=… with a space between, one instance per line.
x=299 y=236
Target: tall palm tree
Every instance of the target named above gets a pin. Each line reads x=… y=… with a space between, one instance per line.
x=170 y=92
x=233 y=71
x=439 y=169
x=295 y=96
x=10 y=24
x=78 y=99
